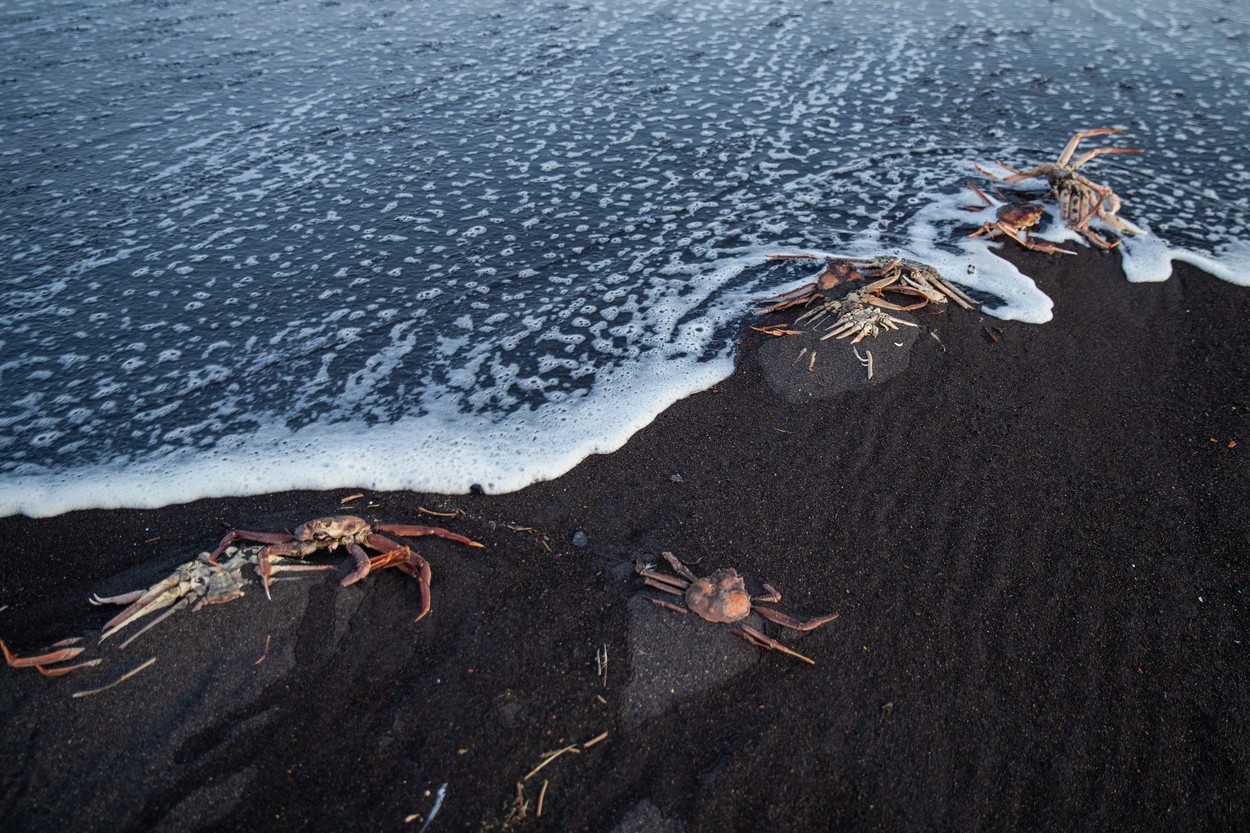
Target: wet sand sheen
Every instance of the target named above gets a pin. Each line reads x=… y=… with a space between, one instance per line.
x=1037 y=545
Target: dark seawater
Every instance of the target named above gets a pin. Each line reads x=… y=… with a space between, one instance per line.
x=252 y=246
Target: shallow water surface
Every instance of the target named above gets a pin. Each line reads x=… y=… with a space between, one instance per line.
x=280 y=244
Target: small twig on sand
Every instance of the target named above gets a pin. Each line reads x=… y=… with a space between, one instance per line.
x=601 y=664
x=264 y=655
x=551 y=756
x=455 y=513
x=350 y=498
x=541 y=795
x=122 y=678
x=602 y=736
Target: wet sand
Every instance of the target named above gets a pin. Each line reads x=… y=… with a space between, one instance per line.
x=1037 y=538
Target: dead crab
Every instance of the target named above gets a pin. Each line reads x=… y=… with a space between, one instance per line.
x=353 y=534
x=723 y=597
x=195 y=584
x=864 y=312
x=898 y=275
x=1080 y=199
x=1015 y=219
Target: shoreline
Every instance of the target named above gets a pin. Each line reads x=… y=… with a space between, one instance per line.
x=1036 y=537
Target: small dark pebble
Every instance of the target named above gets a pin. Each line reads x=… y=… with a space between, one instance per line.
x=477 y=489
x=580 y=539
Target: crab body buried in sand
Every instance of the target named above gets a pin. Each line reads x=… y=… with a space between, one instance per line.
x=723 y=597
x=1080 y=198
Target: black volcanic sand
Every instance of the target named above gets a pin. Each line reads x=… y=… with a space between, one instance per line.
x=1038 y=538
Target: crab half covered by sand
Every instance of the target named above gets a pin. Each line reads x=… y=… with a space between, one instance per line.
x=723 y=597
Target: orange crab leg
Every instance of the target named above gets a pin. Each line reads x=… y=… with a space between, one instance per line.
x=66 y=649
x=414 y=531
x=62 y=670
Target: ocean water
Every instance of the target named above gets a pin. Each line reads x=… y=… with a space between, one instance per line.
x=253 y=246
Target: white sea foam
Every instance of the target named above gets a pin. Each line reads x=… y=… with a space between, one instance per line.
x=258 y=250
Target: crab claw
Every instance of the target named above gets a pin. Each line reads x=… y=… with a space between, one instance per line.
x=410 y=564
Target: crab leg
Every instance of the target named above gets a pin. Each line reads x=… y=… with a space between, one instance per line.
x=757 y=638
x=790 y=295
x=1026 y=241
x=66 y=649
x=792 y=623
x=162 y=594
x=179 y=605
x=362 y=564
x=770 y=596
x=1085 y=157
x=682 y=569
x=123 y=599
x=414 y=531
x=668 y=606
x=1070 y=147
x=256 y=537
x=662 y=585
x=265 y=568
x=953 y=292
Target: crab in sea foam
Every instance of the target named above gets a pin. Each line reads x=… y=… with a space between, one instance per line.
x=1080 y=198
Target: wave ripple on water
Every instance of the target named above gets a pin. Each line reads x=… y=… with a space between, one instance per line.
x=259 y=246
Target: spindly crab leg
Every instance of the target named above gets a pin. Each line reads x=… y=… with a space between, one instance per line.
x=681 y=569
x=668 y=605
x=1070 y=147
x=140 y=603
x=66 y=649
x=792 y=623
x=235 y=535
x=759 y=639
x=416 y=531
x=660 y=581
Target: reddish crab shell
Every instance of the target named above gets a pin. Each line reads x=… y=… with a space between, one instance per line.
x=336 y=529
x=720 y=597
x=1020 y=215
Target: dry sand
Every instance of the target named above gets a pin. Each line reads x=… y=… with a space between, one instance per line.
x=1038 y=543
